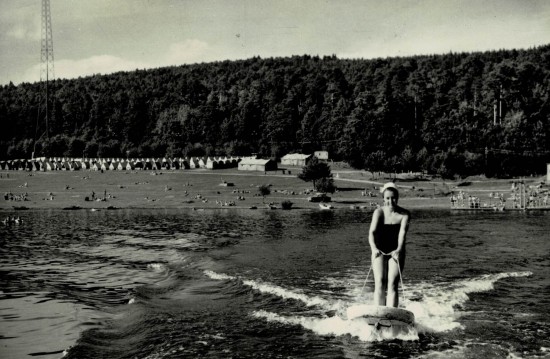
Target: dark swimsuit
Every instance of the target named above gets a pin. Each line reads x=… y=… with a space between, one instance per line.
x=386 y=238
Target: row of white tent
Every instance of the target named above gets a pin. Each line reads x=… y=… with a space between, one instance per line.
x=105 y=164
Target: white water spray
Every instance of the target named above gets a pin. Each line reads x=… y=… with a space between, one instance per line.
x=435 y=311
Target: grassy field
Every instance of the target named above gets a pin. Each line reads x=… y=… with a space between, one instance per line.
x=200 y=188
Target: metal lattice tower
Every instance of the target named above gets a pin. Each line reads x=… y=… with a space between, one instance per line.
x=46 y=49
x=46 y=67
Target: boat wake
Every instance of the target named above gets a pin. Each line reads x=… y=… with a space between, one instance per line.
x=436 y=306
x=328 y=316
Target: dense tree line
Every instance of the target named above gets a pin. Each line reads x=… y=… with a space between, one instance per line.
x=453 y=114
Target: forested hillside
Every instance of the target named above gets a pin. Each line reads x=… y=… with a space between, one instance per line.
x=454 y=114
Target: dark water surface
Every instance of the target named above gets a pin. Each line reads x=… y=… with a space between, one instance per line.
x=272 y=284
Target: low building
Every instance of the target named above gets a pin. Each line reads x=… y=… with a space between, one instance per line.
x=257 y=164
x=295 y=159
x=321 y=155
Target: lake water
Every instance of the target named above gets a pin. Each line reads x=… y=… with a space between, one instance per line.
x=270 y=284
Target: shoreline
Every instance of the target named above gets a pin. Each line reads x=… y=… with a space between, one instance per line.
x=215 y=189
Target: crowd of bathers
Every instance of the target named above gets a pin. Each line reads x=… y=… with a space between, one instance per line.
x=12 y=220
x=463 y=200
x=8 y=196
x=521 y=197
x=226 y=203
x=458 y=200
x=533 y=196
x=537 y=199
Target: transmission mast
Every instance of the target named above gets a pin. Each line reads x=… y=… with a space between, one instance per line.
x=46 y=49
x=46 y=56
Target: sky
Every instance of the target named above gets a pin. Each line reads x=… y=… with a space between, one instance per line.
x=105 y=36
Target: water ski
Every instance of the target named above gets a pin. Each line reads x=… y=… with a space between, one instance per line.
x=381 y=316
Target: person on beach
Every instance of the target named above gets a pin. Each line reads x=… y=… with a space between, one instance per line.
x=387 y=235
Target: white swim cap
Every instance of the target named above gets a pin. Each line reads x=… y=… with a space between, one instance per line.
x=388 y=185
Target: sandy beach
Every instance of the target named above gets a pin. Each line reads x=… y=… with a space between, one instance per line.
x=201 y=188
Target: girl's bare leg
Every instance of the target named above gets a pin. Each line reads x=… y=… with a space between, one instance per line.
x=380 y=272
x=393 y=280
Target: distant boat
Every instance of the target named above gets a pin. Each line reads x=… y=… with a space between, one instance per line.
x=325 y=206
